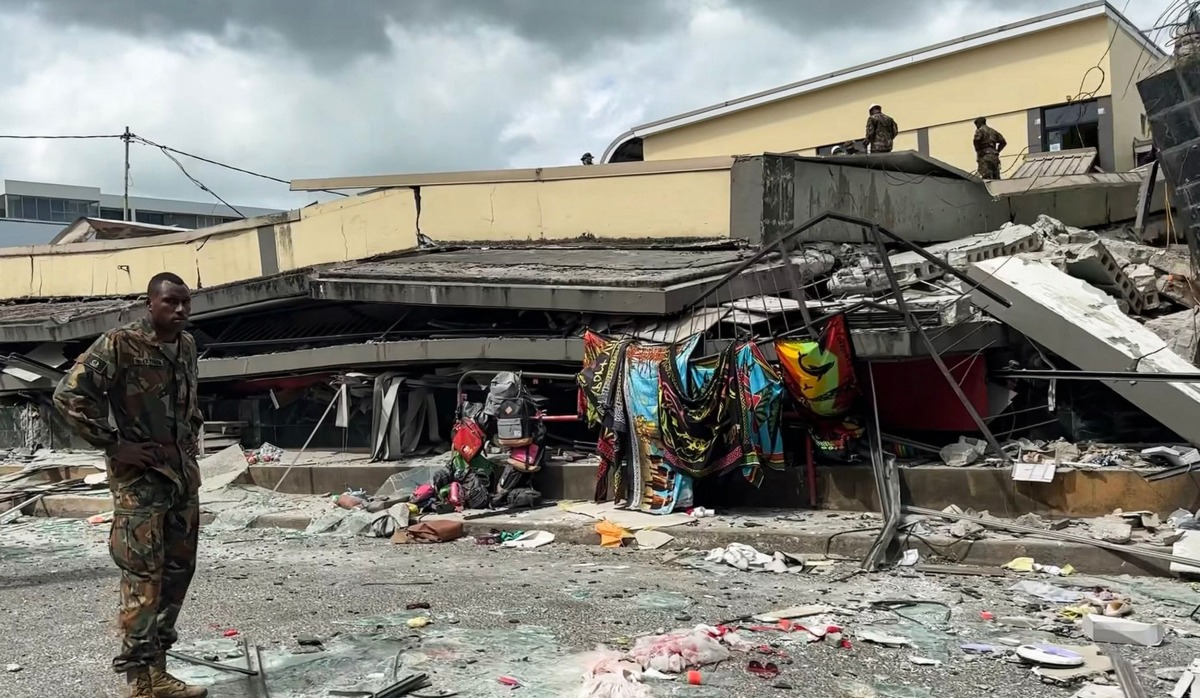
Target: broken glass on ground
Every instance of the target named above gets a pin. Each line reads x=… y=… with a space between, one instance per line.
x=456 y=659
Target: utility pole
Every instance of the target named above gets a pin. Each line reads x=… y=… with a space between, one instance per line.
x=125 y=137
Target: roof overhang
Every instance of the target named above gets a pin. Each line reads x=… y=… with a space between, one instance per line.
x=947 y=48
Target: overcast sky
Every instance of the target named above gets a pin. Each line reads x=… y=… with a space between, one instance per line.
x=314 y=88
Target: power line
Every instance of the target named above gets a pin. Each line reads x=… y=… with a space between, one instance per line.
x=198 y=183
x=252 y=173
x=54 y=138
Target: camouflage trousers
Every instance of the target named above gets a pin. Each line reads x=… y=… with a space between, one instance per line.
x=153 y=541
x=989 y=166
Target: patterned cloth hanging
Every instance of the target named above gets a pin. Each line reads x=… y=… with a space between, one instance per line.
x=700 y=430
x=820 y=375
x=601 y=401
x=653 y=486
x=758 y=394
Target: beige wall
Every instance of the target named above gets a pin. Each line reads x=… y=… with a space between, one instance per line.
x=686 y=203
x=351 y=228
x=1000 y=81
x=1129 y=61
x=953 y=144
x=683 y=204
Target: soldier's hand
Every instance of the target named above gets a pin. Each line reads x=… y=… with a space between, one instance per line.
x=141 y=455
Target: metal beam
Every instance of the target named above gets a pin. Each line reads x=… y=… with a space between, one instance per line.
x=1114 y=376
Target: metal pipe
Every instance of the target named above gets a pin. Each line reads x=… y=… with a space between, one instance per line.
x=1115 y=376
x=212 y=665
x=337 y=394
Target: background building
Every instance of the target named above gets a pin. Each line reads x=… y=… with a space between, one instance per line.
x=32 y=213
x=1060 y=81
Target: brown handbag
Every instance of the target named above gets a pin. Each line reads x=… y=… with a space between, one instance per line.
x=437 y=531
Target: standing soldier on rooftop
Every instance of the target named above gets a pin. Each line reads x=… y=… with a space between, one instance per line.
x=144 y=375
x=881 y=130
x=988 y=144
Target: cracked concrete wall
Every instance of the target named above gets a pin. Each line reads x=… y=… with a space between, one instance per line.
x=346 y=229
x=338 y=231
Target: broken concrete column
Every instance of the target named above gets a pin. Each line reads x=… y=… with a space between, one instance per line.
x=1093 y=263
x=1181 y=332
x=1084 y=326
x=868 y=277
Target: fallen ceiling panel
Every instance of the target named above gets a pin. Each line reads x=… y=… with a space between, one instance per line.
x=1083 y=325
x=617 y=281
x=361 y=356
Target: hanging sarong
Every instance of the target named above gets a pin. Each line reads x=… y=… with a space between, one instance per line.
x=758 y=395
x=820 y=374
x=699 y=426
x=652 y=485
x=600 y=387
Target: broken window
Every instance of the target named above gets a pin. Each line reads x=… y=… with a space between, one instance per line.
x=1071 y=126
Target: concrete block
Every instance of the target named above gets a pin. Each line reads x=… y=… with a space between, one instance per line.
x=1181 y=332
x=1078 y=322
x=868 y=277
x=1093 y=263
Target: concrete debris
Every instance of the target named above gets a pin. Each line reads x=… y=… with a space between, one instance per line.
x=1113 y=531
x=868 y=276
x=1085 y=327
x=1122 y=631
x=965 y=452
x=223 y=468
x=1181 y=332
x=1174 y=456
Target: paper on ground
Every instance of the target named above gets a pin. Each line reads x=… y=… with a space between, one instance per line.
x=1033 y=472
x=649 y=539
x=530 y=539
x=632 y=520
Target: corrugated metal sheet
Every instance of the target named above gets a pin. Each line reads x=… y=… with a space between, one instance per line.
x=1042 y=185
x=1061 y=163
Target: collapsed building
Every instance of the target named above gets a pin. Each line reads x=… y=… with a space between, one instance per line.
x=401 y=302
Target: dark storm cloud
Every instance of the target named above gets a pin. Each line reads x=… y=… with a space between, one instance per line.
x=348 y=28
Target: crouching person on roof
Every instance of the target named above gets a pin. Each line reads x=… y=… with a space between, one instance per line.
x=144 y=375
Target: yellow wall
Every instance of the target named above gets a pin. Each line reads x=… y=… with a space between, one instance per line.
x=1129 y=61
x=680 y=204
x=953 y=144
x=350 y=228
x=944 y=95
x=690 y=203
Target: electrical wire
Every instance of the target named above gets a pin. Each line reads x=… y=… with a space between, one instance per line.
x=203 y=187
x=58 y=138
x=169 y=149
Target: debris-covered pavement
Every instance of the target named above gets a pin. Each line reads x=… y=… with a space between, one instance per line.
x=334 y=613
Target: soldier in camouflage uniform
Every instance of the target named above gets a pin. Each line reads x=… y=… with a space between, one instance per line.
x=144 y=375
x=988 y=144
x=881 y=130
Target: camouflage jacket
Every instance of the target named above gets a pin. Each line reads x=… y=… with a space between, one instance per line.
x=881 y=132
x=127 y=374
x=988 y=141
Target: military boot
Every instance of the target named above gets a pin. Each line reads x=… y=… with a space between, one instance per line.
x=166 y=686
x=139 y=683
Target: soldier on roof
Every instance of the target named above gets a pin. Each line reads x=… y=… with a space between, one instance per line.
x=988 y=144
x=881 y=130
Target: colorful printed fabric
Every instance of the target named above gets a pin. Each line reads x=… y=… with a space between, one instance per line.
x=653 y=486
x=601 y=403
x=820 y=375
x=699 y=426
x=758 y=391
